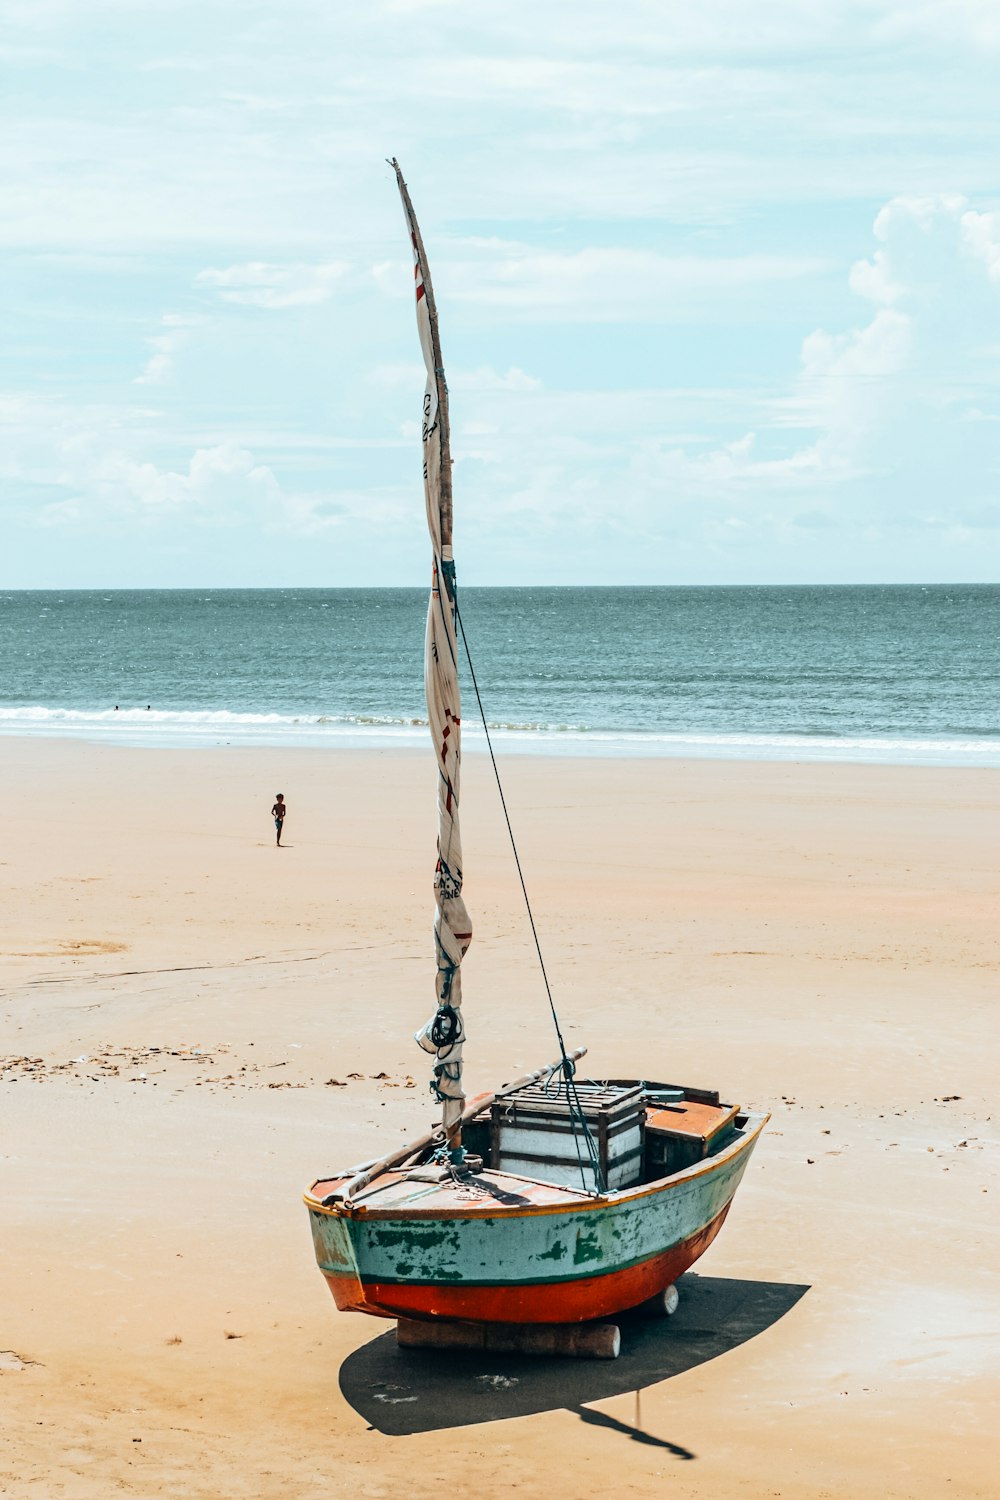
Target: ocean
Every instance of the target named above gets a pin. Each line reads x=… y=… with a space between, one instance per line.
x=893 y=674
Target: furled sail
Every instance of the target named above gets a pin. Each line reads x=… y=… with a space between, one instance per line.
x=444 y=1033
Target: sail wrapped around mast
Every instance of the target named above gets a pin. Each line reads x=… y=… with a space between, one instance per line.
x=443 y=1035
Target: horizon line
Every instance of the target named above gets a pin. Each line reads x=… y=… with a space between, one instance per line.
x=363 y=588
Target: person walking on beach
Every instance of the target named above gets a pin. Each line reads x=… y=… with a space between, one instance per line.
x=278 y=814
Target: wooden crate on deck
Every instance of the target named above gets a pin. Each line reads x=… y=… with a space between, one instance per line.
x=532 y=1134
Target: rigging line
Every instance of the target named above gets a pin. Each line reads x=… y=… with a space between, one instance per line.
x=510 y=832
x=572 y=1096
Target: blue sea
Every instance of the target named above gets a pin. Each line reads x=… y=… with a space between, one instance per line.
x=891 y=674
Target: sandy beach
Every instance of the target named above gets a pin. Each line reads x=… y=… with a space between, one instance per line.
x=195 y=1025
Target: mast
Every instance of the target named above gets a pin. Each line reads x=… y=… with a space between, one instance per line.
x=444 y=1034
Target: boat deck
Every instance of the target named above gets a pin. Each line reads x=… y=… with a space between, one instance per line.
x=480 y=1192
x=677 y=1135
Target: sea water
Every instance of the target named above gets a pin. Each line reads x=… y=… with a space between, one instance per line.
x=895 y=674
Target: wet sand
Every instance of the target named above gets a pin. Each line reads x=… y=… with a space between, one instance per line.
x=195 y=1024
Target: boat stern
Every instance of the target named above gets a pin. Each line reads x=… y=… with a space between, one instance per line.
x=336 y=1259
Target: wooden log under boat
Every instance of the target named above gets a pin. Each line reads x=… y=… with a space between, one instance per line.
x=569 y=1340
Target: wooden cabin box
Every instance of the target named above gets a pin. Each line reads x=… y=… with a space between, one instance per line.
x=532 y=1135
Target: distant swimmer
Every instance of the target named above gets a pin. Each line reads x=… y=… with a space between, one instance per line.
x=278 y=814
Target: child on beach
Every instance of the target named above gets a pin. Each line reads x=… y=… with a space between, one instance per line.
x=278 y=814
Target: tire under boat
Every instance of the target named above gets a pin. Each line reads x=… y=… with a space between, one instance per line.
x=491 y=1246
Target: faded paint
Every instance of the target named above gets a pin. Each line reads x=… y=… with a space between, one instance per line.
x=588 y=1247
x=609 y=1237
x=497 y=1248
x=489 y=1260
x=546 y=1302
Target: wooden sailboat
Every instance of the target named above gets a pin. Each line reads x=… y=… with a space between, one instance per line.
x=553 y=1201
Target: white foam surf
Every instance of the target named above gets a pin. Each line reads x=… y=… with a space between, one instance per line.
x=220 y=727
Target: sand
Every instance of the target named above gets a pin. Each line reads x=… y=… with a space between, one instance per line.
x=196 y=1024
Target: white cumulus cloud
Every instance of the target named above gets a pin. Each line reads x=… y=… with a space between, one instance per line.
x=225 y=480
x=982 y=235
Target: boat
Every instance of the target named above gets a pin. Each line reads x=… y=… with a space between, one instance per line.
x=531 y=1213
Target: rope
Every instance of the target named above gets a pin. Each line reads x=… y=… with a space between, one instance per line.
x=576 y=1111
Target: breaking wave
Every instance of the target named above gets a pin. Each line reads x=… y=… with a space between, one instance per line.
x=192 y=728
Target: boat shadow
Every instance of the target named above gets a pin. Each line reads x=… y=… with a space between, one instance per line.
x=404 y=1391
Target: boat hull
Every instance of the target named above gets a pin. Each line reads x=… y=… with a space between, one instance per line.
x=531 y=1261
x=573 y=1301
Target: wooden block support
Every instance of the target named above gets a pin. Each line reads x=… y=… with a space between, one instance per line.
x=663 y=1305
x=569 y=1340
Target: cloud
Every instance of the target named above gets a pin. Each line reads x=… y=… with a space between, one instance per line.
x=871 y=279
x=50 y=443
x=883 y=425
x=601 y=284
x=896 y=409
x=165 y=346
x=272 y=285
x=848 y=383
x=90 y=469
x=982 y=234
x=948 y=22
x=224 y=480
x=486 y=379
x=264 y=143
x=695 y=184
x=90 y=466
x=917 y=367
x=921 y=237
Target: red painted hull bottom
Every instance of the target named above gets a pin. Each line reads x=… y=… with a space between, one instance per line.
x=547 y=1302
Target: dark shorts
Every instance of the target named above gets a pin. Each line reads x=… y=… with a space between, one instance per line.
x=279 y=823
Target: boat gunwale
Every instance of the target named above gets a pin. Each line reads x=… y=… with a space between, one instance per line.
x=596 y=1203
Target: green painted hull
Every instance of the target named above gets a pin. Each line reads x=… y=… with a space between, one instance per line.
x=497 y=1266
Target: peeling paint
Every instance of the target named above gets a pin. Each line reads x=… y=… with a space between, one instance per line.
x=529 y=1250
x=415 y=1237
x=588 y=1248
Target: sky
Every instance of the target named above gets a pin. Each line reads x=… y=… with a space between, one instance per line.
x=719 y=290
